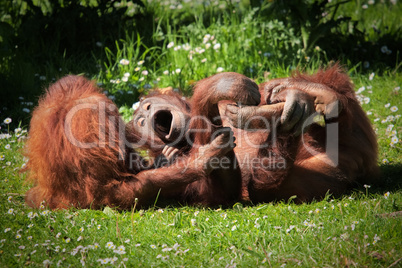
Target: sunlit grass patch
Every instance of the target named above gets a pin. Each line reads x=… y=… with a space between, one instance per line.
x=358 y=229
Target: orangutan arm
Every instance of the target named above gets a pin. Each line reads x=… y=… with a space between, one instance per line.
x=143 y=188
x=289 y=112
x=325 y=98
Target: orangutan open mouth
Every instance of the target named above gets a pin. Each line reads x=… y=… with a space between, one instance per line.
x=162 y=123
x=170 y=125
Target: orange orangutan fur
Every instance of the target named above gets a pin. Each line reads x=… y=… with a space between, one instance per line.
x=285 y=167
x=80 y=154
x=310 y=175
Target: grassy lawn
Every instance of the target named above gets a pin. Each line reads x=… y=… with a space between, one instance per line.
x=361 y=229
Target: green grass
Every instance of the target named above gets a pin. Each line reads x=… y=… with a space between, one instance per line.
x=357 y=230
x=351 y=231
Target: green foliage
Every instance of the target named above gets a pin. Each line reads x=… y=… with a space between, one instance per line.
x=313 y=21
x=200 y=52
x=48 y=39
x=41 y=41
x=350 y=31
x=124 y=73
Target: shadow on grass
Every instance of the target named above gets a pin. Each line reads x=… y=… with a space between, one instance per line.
x=390 y=179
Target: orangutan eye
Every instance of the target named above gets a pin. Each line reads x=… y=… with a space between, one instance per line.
x=146 y=106
x=141 y=122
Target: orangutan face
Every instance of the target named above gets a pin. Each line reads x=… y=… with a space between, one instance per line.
x=162 y=120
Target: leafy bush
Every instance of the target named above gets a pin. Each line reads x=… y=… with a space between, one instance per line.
x=41 y=41
x=44 y=37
